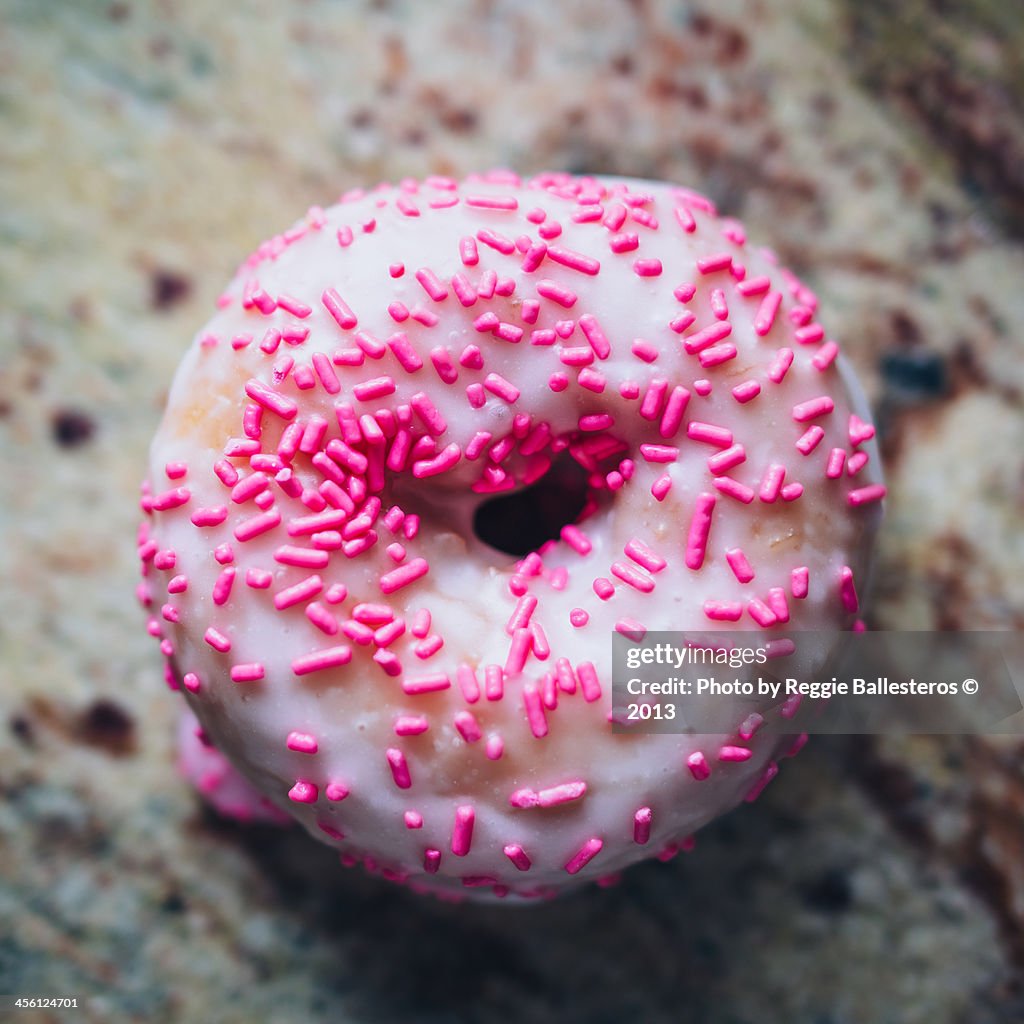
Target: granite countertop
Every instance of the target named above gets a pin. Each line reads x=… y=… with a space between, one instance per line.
x=880 y=147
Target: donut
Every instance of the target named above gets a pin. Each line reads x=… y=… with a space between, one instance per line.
x=438 y=444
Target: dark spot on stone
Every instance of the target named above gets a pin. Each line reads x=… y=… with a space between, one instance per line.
x=893 y=789
x=5 y=408
x=623 y=64
x=459 y=120
x=905 y=328
x=72 y=428
x=829 y=893
x=914 y=375
x=108 y=726
x=168 y=287
x=361 y=118
x=173 y=903
x=414 y=135
x=21 y=729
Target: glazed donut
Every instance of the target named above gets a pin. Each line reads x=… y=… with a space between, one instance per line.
x=438 y=443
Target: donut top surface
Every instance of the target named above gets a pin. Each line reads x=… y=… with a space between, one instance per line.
x=442 y=438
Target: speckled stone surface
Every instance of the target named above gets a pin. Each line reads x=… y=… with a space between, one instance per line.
x=147 y=146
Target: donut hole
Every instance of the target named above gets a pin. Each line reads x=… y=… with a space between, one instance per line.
x=523 y=521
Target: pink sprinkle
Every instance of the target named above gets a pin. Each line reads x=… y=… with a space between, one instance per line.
x=595 y=336
x=517 y=855
x=534 y=709
x=754 y=286
x=647 y=267
x=708 y=336
x=431 y=285
x=604 y=588
x=403 y=351
x=865 y=495
x=596 y=421
x=825 y=356
x=258 y=579
x=642 y=826
x=574 y=260
x=847 y=590
x=766 y=313
x=633 y=577
x=468 y=251
x=857 y=461
x=719 y=307
x=778 y=604
x=257 y=525
x=799 y=578
x=330 y=657
x=338 y=309
x=859 y=431
x=644 y=556
x=810 y=440
x=661 y=486
x=497 y=385
x=399 y=768
x=413 y=819
x=624 y=241
x=682 y=322
x=791 y=491
x=247 y=673
x=403 y=575
x=739 y=564
x=700 y=529
x=518 y=651
x=771 y=485
x=719 y=261
x=673 y=416
x=747 y=391
x=717 y=354
x=468 y=683
x=761 y=613
x=723 y=611
x=644 y=350
x=734 y=489
x=217 y=640
x=780 y=366
x=659 y=453
x=496 y=241
x=309 y=587
x=836 y=463
x=698 y=765
x=810 y=334
x=377 y=387
x=708 y=433
x=302 y=742
x=821 y=406
x=468 y=727
x=654 y=396
x=209 y=516
x=462 y=833
x=303 y=792
x=725 y=460
x=589 y=684
x=728 y=752
x=586 y=853
x=578 y=617
x=222 y=588
x=431 y=683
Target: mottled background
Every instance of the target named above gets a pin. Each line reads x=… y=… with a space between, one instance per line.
x=146 y=146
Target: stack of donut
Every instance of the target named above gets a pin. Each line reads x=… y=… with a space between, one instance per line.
x=441 y=441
